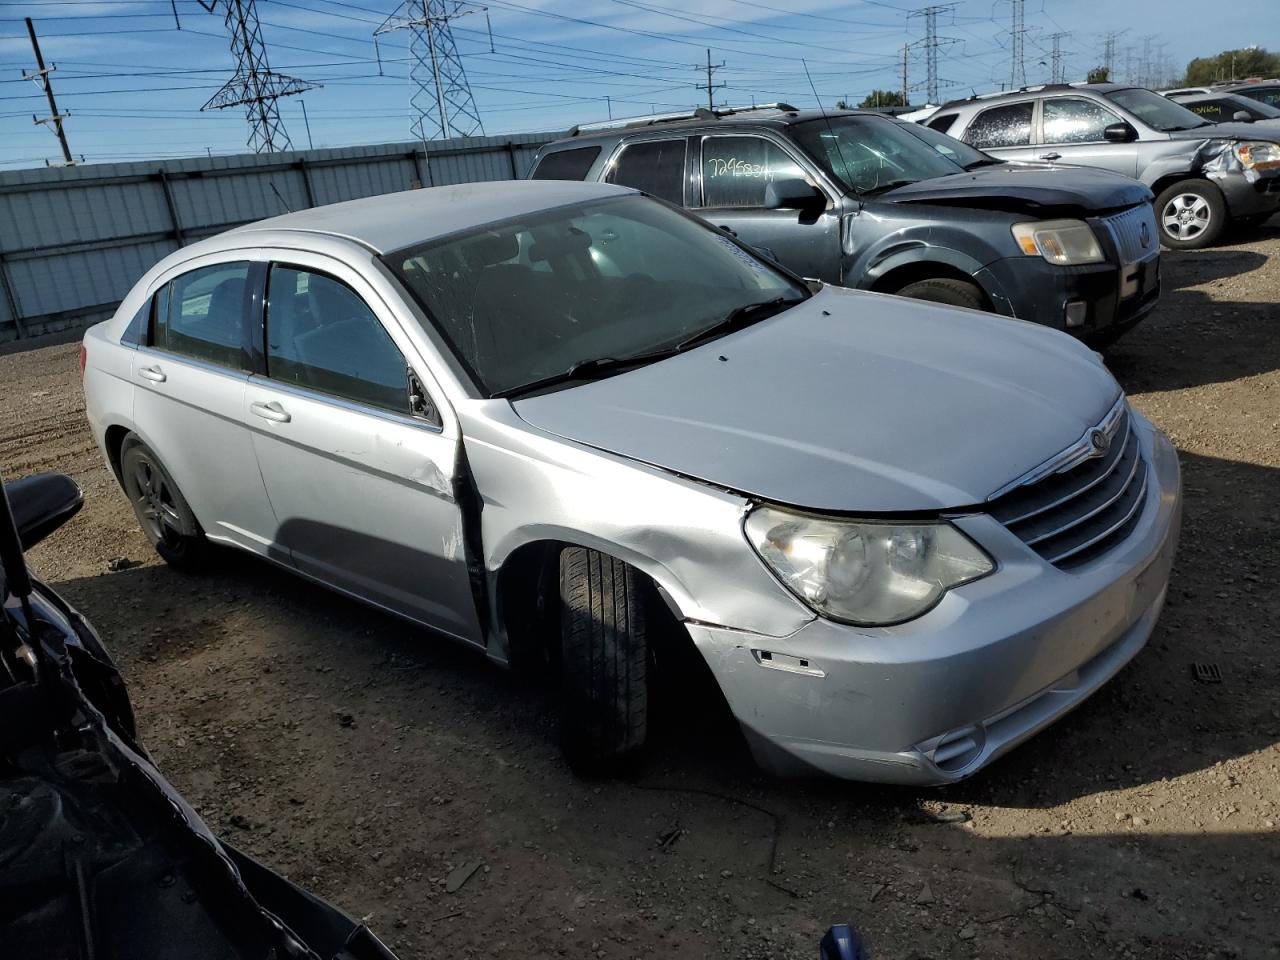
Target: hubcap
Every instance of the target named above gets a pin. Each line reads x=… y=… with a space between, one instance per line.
x=1186 y=216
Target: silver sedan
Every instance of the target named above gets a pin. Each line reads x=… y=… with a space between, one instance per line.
x=554 y=420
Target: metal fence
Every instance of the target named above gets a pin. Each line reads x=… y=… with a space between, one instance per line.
x=73 y=240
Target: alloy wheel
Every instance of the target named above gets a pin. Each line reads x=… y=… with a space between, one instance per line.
x=154 y=503
x=1186 y=216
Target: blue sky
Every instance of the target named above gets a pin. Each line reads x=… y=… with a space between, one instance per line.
x=134 y=84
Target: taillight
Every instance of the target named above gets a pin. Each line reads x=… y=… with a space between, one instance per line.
x=84 y=359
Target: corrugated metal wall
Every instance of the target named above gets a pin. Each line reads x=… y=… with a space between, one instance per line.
x=73 y=240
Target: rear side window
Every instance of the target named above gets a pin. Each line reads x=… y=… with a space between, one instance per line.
x=736 y=170
x=1006 y=126
x=566 y=164
x=323 y=337
x=654 y=166
x=1071 y=120
x=202 y=315
x=943 y=123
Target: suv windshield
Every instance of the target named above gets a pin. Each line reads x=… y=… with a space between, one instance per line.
x=1157 y=112
x=572 y=292
x=868 y=154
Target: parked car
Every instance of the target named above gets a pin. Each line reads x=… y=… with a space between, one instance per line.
x=1228 y=108
x=1264 y=91
x=1203 y=175
x=861 y=200
x=551 y=420
x=99 y=855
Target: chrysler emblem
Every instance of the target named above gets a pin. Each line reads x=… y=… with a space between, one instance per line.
x=1144 y=234
x=1099 y=441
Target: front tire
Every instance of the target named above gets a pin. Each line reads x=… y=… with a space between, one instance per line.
x=955 y=293
x=604 y=661
x=161 y=509
x=1191 y=214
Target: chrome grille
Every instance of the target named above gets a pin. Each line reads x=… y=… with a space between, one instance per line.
x=1073 y=514
x=1126 y=230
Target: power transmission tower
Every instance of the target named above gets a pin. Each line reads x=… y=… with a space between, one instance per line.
x=443 y=100
x=41 y=76
x=931 y=43
x=710 y=87
x=1017 y=33
x=1056 y=73
x=1109 y=52
x=255 y=85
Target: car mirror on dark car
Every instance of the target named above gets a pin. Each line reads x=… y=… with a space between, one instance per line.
x=1120 y=132
x=1243 y=116
x=792 y=194
x=41 y=504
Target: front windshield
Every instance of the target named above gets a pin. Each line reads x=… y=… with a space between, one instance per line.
x=869 y=154
x=1157 y=112
x=528 y=299
x=951 y=148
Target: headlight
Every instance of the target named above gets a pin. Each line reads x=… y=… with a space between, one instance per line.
x=1257 y=155
x=861 y=571
x=1064 y=242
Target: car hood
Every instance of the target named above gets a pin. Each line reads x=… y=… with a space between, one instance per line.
x=850 y=402
x=1036 y=185
x=1230 y=131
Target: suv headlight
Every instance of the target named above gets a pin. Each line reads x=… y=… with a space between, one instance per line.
x=1257 y=155
x=865 y=572
x=1064 y=242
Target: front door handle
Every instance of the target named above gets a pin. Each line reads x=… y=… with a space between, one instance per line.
x=1051 y=156
x=270 y=411
x=154 y=374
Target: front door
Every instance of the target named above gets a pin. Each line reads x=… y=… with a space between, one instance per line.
x=361 y=480
x=734 y=172
x=1072 y=128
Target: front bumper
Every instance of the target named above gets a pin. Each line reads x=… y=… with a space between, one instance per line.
x=1250 y=194
x=934 y=700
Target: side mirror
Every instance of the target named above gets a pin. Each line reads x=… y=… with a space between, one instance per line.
x=41 y=504
x=1119 y=133
x=792 y=194
x=1243 y=116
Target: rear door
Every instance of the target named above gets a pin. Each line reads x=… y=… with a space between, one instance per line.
x=1005 y=130
x=189 y=376
x=734 y=170
x=361 y=478
x=1072 y=128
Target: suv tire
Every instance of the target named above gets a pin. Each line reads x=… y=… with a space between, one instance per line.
x=161 y=509
x=604 y=661
x=1190 y=214
x=956 y=293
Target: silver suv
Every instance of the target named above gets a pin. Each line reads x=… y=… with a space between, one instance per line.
x=1204 y=175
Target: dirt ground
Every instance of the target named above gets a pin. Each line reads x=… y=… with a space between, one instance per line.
x=373 y=762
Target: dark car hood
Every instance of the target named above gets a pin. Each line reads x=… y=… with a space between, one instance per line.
x=1038 y=185
x=1258 y=130
x=850 y=402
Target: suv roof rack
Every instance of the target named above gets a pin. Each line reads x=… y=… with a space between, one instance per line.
x=1030 y=88
x=699 y=113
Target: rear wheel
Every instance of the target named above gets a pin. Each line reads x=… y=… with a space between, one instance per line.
x=1191 y=215
x=161 y=509
x=956 y=293
x=604 y=661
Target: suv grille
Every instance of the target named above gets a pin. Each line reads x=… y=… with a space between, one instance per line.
x=1072 y=516
x=1126 y=230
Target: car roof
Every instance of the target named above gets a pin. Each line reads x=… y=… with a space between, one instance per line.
x=769 y=116
x=393 y=221
x=1023 y=92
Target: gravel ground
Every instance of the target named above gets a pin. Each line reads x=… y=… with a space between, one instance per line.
x=415 y=785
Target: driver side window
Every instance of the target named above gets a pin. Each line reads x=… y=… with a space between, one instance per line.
x=323 y=337
x=1069 y=120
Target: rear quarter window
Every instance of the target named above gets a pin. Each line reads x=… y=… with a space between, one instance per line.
x=944 y=123
x=566 y=164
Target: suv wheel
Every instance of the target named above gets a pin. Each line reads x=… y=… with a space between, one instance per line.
x=161 y=509
x=604 y=661
x=1191 y=215
x=956 y=293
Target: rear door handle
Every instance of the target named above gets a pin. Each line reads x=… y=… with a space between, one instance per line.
x=270 y=411
x=154 y=374
x=1050 y=156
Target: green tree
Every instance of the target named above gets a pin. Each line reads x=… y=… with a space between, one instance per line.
x=1232 y=65
x=1099 y=75
x=883 y=98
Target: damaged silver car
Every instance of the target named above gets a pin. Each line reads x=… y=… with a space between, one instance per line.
x=550 y=419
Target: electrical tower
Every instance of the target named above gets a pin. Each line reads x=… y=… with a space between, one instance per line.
x=255 y=85
x=1017 y=33
x=931 y=43
x=1056 y=73
x=41 y=77
x=1109 y=52
x=443 y=100
x=710 y=87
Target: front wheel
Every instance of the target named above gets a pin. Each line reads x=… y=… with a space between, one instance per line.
x=604 y=655
x=1191 y=215
x=956 y=293
x=161 y=509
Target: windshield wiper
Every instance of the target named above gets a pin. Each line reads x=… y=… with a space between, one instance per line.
x=588 y=370
x=891 y=185
x=984 y=162
x=737 y=318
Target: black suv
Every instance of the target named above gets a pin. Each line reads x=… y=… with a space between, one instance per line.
x=858 y=199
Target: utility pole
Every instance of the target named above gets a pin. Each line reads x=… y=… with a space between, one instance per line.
x=709 y=86
x=443 y=99
x=1017 y=32
x=41 y=77
x=905 y=86
x=306 y=123
x=608 y=105
x=931 y=43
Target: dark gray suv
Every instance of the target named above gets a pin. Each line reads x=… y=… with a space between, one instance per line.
x=857 y=199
